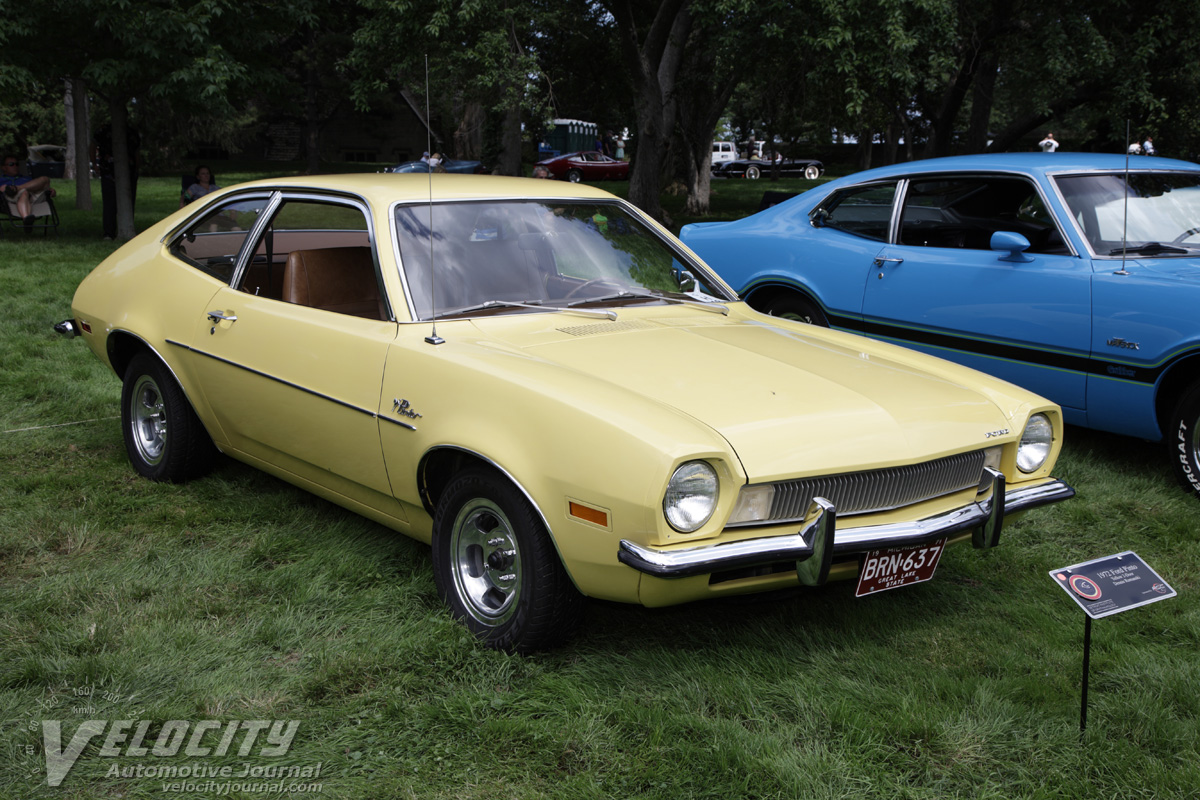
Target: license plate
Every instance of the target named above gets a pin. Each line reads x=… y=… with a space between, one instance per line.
x=898 y=566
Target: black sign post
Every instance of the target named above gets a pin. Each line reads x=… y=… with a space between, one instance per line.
x=1103 y=587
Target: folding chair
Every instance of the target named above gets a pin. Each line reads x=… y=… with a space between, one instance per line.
x=45 y=215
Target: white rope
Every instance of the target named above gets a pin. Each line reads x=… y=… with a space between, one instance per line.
x=59 y=425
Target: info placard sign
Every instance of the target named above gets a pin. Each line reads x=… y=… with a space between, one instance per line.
x=1110 y=585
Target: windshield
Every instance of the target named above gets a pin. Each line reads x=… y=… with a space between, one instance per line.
x=487 y=254
x=1162 y=216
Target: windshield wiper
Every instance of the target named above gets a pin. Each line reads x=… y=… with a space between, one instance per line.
x=1149 y=249
x=628 y=295
x=535 y=304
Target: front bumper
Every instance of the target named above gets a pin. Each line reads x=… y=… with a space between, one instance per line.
x=819 y=534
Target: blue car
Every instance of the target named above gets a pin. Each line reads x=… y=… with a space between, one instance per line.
x=1075 y=275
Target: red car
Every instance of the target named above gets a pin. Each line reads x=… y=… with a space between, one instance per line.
x=593 y=166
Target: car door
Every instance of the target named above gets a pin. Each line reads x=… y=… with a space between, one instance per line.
x=941 y=288
x=291 y=353
x=847 y=230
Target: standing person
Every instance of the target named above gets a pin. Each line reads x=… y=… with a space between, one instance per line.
x=205 y=184
x=22 y=191
x=1148 y=146
x=1049 y=144
x=1135 y=149
x=102 y=155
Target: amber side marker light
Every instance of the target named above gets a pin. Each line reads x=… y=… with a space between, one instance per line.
x=592 y=515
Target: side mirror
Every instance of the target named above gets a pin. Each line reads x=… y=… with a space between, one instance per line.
x=685 y=279
x=818 y=217
x=1014 y=243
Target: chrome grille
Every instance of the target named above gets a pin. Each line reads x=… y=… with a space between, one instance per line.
x=880 y=489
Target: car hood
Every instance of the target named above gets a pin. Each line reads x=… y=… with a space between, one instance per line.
x=790 y=400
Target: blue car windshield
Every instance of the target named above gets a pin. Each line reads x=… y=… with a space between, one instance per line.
x=490 y=255
x=1148 y=213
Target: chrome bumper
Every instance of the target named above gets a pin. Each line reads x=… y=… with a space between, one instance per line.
x=985 y=517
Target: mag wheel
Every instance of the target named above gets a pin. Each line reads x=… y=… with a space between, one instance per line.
x=163 y=436
x=574 y=175
x=795 y=307
x=1183 y=440
x=496 y=568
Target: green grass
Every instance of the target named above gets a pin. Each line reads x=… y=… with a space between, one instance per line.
x=238 y=597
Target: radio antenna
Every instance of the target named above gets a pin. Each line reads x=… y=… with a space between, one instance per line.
x=1125 y=211
x=433 y=338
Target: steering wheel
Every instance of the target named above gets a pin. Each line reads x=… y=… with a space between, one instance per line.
x=594 y=282
x=1185 y=234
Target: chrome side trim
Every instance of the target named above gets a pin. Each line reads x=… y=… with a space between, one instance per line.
x=797 y=546
x=290 y=384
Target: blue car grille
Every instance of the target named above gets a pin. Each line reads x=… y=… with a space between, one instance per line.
x=879 y=489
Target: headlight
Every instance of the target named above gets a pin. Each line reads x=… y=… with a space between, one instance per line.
x=691 y=496
x=1036 y=440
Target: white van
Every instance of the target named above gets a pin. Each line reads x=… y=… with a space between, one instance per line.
x=723 y=152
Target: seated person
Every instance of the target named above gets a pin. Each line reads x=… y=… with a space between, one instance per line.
x=205 y=184
x=21 y=191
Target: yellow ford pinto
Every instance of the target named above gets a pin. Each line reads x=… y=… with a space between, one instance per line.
x=546 y=386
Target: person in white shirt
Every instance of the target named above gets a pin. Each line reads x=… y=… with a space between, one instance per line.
x=1049 y=144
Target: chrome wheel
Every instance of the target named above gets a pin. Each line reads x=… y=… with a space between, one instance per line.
x=148 y=420
x=496 y=567
x=164 y=439
x=574 y=176
x=792 y=306
x=812 y=172
x=753 y=172
x=486 y=562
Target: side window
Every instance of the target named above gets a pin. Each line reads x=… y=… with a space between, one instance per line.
x=212 y=243
x=317 y=253
x=965 y=212
x=861 y=210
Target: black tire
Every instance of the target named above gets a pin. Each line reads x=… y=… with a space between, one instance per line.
x=1183 y=440
x=574 y=175
x=496 y=568
x=812 y=172
x=753 y=172
x=163 y=436
x=794 y=307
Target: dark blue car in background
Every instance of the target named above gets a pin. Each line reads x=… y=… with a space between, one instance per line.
x=1065 y=273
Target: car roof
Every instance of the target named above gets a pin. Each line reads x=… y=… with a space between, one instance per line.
x=383 y=187
x=1036 y=163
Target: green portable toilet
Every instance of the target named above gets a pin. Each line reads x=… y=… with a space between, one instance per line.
x=570 y=135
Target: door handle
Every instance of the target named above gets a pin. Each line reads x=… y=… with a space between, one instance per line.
x=880 y=261
x=219 y=316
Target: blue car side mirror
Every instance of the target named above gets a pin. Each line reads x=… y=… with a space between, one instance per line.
x=1014 y=243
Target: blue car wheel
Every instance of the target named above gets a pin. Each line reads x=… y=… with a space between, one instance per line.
x=1183 y=440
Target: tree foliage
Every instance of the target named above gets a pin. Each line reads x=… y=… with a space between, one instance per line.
x=931 y=76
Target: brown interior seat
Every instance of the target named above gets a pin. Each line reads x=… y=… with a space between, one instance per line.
x=340 y=279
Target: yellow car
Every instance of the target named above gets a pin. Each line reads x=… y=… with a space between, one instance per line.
x=549 y=388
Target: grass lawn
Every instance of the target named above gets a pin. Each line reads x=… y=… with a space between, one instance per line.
x=238 y=597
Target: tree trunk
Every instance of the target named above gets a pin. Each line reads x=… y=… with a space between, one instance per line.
x=122 y=169
x=78 y=142
x=312 y=120
x=510 y=142
x=982 y=98
x=654 y=63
